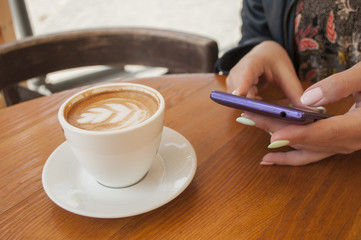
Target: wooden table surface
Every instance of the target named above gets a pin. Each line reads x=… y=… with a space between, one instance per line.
x=231 y=196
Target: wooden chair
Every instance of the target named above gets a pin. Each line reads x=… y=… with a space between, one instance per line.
x=39 y=55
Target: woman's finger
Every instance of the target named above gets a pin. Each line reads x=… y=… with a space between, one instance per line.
x=266 y=123
x=294 y=158
x=341 y=134
x=334 y=87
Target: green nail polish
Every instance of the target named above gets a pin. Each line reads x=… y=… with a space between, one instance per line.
x=322 y=109
x=245 y=121
x=279 y=143
x=266 y=163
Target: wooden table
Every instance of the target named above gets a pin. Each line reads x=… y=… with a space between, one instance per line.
x=231 y=196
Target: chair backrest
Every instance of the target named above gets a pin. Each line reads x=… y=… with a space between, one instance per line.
x=38 y=55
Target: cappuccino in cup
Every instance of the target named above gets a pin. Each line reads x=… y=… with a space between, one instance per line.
x=114 y=130
x=111 y=110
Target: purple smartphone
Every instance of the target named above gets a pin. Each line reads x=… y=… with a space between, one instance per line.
x=289 y=114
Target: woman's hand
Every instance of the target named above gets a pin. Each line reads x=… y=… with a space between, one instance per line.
x=324 y=138
x=267 y=62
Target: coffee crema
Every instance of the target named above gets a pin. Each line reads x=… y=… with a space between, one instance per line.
x=111 y=110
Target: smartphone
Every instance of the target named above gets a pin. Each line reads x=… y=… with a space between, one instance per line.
x=292 y=115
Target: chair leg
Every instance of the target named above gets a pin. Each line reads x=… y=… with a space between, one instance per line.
x=16 y=94
x=11 y=95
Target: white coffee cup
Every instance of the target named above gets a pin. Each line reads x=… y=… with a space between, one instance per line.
x=115 y=157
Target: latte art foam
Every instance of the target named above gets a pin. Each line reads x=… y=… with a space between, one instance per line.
x=111 y=110
x=118 y=115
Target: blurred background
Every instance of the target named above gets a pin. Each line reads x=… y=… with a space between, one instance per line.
x=217 y=19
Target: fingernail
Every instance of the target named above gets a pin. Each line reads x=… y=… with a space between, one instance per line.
x=270 y=133
x=266 y=163
x=312 y=97
x=235 y=92
x=279 y=143
x=322 y=109
x=245 y=121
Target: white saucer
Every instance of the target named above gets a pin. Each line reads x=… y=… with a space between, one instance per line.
x=73 y=189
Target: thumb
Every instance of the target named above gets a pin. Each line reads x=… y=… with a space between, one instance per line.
x=334 y=87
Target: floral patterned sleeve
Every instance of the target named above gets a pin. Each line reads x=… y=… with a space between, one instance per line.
x=328 y=37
